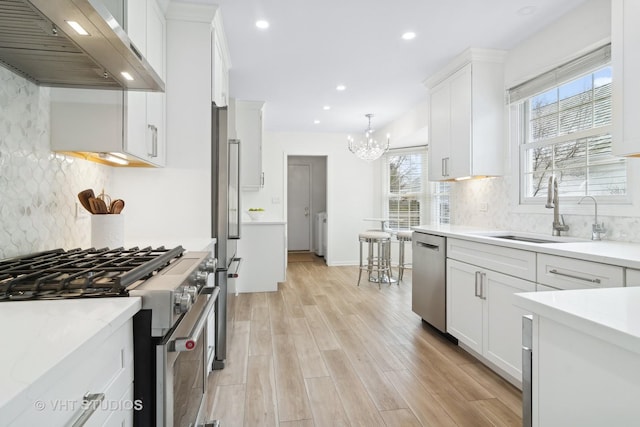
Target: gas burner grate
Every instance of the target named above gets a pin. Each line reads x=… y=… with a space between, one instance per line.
x=80 y=273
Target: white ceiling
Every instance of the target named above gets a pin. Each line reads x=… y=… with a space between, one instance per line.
x=312 y=46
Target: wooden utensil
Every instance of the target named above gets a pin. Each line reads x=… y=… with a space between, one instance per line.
x=98 y=206
x=84 y=197
x=116 y=206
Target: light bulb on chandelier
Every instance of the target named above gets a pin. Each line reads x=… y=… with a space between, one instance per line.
x=367 y=148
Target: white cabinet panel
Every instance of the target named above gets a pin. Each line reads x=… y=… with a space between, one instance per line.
x=569 y=273
x=503 y=321
x=464 y=307
x=263 y=249
x=249 y=131
x=625 y=59
x=107 y=369
x=440 y=130
x=481 y=314
x=515 y=262
x=633 y=277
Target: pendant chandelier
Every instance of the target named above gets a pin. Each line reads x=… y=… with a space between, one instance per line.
x=367 y=148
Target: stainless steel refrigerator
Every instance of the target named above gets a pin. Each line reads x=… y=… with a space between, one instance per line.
x=225 y=222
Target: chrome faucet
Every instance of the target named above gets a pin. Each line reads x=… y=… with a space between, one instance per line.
x=553 y=201
x=597 y=229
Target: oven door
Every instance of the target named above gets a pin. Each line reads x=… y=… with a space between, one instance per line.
x=181 y=363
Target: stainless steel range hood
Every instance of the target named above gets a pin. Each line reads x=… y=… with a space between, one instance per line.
x=37 y=42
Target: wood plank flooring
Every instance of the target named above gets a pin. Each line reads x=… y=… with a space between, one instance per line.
x=324 y=352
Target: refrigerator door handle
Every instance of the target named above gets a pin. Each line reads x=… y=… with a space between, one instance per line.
x=234 y=183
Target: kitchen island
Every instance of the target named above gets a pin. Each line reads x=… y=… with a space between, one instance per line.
x=56 y=351
x=585 y=356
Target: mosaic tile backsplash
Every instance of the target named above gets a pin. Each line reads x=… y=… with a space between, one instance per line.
x=38 y=189
x=467 y=197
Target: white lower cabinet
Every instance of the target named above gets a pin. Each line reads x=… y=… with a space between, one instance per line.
x=263 y=249
x=481 y=314
x=106 y=370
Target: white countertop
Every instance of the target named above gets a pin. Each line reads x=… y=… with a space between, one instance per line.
x=623 y=254
x=610 y=314
x=40 y=337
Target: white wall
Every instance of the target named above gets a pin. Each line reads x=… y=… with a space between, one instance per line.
x=350 y=189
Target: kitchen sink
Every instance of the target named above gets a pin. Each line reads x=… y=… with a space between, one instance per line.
x=527 y=239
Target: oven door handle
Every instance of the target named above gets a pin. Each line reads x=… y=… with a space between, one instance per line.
x=189 y=343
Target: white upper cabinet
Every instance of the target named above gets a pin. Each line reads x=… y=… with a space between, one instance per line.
x=249 y=132
x=625 y=60
x=466 y=133
x=129 y=124
x=145 y=135
x=220 y=70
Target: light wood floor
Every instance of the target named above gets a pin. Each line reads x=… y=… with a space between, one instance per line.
x=323 y=352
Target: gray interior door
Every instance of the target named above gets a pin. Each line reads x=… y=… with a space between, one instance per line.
x=299 y=207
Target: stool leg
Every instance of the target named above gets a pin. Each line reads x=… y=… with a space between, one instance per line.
x=387 y=261
x=360 y=266
x=379 y=265
x=370 y=261
x=401 y=261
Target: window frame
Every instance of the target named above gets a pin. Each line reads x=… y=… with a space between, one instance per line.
x=422 y=196
x=519 y=122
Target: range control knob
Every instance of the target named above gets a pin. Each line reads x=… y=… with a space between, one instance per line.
x=201 y=278
x=182 y=302
x=210 y=265
x=192 y=291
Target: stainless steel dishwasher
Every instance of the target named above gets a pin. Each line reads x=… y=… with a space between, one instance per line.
x=429 y=291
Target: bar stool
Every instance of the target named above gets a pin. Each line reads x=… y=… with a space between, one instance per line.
x=402 y=236
x=380 y=264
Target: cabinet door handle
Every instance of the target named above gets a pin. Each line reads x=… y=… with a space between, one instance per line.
x=477 y=284
x=445 y=166
x=483 y=279
x=572 y=276
x=90 y=402
x=154 y=141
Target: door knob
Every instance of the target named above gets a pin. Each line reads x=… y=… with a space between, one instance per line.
x=306 y=211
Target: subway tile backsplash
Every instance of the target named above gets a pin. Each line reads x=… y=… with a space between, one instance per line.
x=38 y=188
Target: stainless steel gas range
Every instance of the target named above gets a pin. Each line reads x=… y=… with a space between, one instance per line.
x=178 y=292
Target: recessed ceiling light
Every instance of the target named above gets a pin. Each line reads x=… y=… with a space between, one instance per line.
x=527 y=10
x=326 y=107
x=341 y=87
x=78 y=28
x=316 y=122
x=409 y=35
x=262 y=24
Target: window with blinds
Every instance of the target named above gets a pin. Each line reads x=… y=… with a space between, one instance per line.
x=406 y=193
x=565 y=130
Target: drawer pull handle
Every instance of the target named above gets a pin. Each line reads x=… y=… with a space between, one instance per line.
x=90 y=402
x=586 y=279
